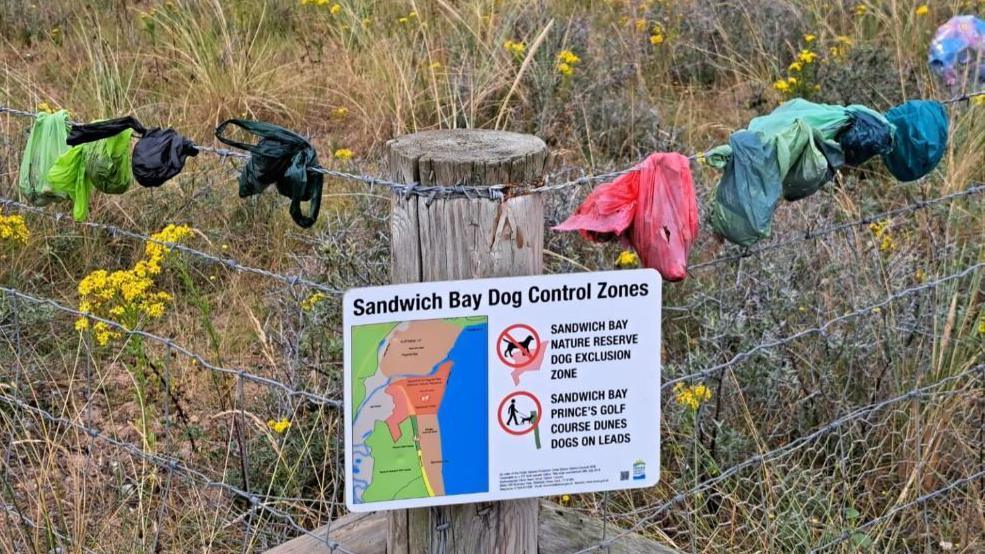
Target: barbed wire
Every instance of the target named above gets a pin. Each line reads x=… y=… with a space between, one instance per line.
x=652 y=512
x=492 y=192
x=232 y=264
x=170 y=344
x=823 y=327
x=809 y=235
x=229 y=263
x=175 y=465
x=897 y=509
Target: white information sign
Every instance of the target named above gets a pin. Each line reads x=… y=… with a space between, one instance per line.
x=491 y=389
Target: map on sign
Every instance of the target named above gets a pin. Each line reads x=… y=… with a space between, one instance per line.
x=420 y=407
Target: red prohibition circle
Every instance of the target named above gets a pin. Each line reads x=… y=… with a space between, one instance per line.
x=506 y=335
x=499 y=414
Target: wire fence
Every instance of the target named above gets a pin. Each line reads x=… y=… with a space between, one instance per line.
x=892 y=424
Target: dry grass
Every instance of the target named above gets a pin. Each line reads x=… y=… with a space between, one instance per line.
x=372 y=71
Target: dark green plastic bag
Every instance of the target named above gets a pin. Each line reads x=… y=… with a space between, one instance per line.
x=281 y=157
x=103 y=165
x=748 y=191
x=920 y=139
x=45 y=145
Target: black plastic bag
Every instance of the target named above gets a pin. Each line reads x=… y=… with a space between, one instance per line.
x=98 y=130
x=160 y=155
x=865 y=137
x=281 y=157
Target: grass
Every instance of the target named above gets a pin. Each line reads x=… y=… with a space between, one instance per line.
x=370 y=70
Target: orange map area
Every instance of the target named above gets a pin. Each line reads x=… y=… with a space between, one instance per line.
x=416 y=396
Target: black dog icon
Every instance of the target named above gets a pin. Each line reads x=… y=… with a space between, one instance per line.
x=528 y=419
x=511 y=346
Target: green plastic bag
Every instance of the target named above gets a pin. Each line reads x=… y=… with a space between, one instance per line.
x=103 y=165
x=748 y=191
x=806 y=160
x=920 y=139
x=44 y=146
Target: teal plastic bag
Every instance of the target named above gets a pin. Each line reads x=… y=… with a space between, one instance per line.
x=750 y=187
x=920 y=139
x=45 y=145
x=103 y=165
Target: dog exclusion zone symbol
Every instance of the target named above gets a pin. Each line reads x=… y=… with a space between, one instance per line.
x=518 y=345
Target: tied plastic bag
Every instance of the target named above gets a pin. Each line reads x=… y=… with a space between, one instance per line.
x=280 y=157
x=160 y=155
x=817 y=164
x=750 y=187
x=103 y=165
x=45 y=145
x=957 y=52
x=98 y=130
x=869 y=134
x=920 y=139
x=652 y=208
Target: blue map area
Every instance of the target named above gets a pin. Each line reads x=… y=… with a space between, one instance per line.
x=463 y=415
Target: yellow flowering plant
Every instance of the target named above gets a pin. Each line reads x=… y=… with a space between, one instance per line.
x=691 y=396
x=799 y=80
x=881 y=232
x=13 y=229
x=566 y=62
x=128 y=296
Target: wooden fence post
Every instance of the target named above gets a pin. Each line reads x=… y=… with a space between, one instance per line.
x=465 y=238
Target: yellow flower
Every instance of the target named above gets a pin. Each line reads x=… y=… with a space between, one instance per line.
x=343 y=154
x=280 y=425
x=795 y=66
x=981 y=325
x=656 y=39
x=403 y=20
x=860 y=10
x=792 y=80
x=517 y=48
x=565 y=69
x=340 y=112
x=81 y=324
x=919 y=275
x=691 y=396
x=781 y=85
x=806 y=56
x=627 y=258
x=14 y=229
x=336 y=9
x=44 y=107
x=809 y=38
x=565 y=499
x=568 y=57
x=922 y=9
x=310 y=302
x=640 y=25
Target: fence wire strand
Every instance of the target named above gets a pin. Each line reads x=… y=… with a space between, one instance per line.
x=650 y=513
x=175 y=465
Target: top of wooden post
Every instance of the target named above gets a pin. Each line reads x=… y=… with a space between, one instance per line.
x=474 y=157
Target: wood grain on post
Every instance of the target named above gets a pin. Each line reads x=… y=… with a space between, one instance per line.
x=466 y=238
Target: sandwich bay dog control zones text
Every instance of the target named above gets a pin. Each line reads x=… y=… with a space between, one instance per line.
x=491 y=389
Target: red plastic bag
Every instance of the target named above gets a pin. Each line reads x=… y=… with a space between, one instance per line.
x=652 y=208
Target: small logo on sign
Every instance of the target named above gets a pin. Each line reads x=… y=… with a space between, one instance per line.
x=639 y=470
